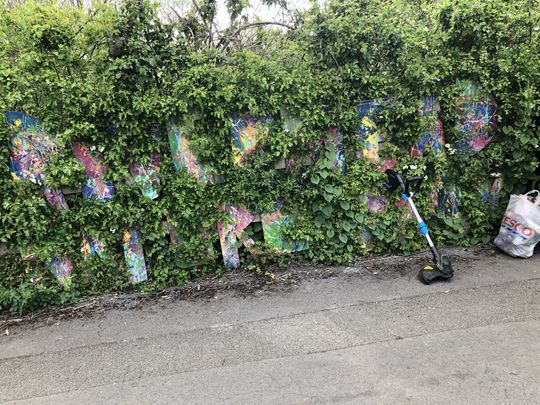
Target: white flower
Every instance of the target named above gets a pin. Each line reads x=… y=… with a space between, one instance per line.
x=447 y=146
x=101 y=148
x=425 y=178
x=414 y=167
x=112 y=230
x=424 y=167
x=405 y=167
x=536 y=29
x=92 y=148
x=536 y=146
x=495 y=174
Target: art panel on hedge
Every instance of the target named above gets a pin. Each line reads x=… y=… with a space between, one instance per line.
x=182 y=155
x=146 y=176
x=433 y=135
x=134 y=255
x=247 y=133
x=230 y=231
x=95 y=186
x=31 y=148
x=274 y=224
x=477 y=117
x=368 y=130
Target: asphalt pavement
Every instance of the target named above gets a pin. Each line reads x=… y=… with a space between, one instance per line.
x=348 y=339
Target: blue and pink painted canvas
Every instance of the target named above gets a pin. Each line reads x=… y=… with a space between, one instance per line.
x=95 y=186
x=433 y=136
x=232 y=231
x=477 y=117
x=31 y=148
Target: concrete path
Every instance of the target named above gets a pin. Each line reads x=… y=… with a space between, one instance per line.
x=350 y=339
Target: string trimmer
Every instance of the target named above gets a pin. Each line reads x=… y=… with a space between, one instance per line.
x=443 y=267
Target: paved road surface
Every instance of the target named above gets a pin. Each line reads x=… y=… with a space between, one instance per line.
x=350 y=339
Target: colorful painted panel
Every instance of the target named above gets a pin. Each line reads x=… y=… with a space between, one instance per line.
x=446 y=199
x=375 y=203
x=55 y=198
x=91 y=246
x=62 y=268
x=229 y=232
x=182 y=155
x=433 y=135
x=146 y=176
x=273 y=225
x=368 y=132
x=478 y=120
x=490 y=194
x=31 y=149
x=96 y=186
x=134 y=255
x=247 y=133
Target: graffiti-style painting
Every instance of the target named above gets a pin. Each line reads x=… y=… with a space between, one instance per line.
x=368 y=131
x=146 y=176
x=375 y=203
x=96 y=186
x=230 y=232
x=91 y=246
x=134 y=255
x=182 y=155
x=433 y=135
x=446 y=199
x=247 y=133
x=31 y=149
x=478 y=119
x=490 y=194
x=62 y=268
x=55 y=198
x=273 y=225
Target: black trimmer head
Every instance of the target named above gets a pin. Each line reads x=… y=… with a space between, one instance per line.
x=441 y=270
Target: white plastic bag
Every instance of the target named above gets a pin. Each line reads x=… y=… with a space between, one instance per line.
x=520 y=227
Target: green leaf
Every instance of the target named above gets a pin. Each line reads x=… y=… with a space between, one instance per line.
x=344 y=238
x=315 y=179
x=330 y=233
x=329 y=188
x=345 y=205
x=327 y=210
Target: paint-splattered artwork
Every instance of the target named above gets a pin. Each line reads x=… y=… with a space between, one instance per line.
x=368 y=131
x=477 y=118
x=182 y=155
x=375 y=203
x=134 y=255
x=273 y=225
x=433 y=135
x=336 y=139
x=31 y=149
x=55 y=198
x=96 y=186
x=62 y=268
x=247 y=133
x=446 y=199
x=230 y=232
x=146 y=176
x=91 y=246
x=490 y=194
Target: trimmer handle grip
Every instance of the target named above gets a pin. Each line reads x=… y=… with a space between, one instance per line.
x=412 y=185
x=395 y=181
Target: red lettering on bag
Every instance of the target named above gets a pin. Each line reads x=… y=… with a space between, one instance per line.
x=518 y=227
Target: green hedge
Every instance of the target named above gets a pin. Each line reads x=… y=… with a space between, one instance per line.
x=112 y=79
